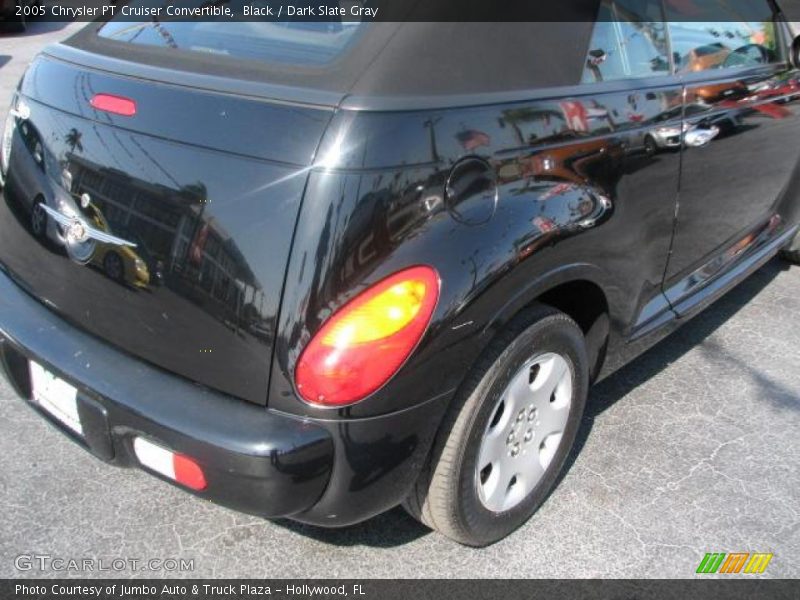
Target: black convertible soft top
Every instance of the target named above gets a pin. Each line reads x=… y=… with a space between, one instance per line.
x=397 y=62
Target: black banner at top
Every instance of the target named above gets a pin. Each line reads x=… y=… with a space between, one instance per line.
x=366 y=11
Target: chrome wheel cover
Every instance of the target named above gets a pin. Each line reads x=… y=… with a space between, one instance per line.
x=524 y=432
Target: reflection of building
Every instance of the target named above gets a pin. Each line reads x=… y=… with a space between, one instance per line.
x=198 y=256
x=381 y=221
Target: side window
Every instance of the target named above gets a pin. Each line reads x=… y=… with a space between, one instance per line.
x=629 y=41
x=722 y=34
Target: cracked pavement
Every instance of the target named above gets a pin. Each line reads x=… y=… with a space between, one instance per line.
x=692 y=448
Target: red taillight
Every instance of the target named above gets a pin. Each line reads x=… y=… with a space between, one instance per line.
x=361 y=346
x=114 y=104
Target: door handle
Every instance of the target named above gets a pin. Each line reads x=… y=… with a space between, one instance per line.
x=700 y=136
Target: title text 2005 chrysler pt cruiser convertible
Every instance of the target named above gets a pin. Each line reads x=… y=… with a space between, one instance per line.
x=318 y=270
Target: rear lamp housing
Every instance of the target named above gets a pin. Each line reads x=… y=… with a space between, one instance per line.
x=365 y=343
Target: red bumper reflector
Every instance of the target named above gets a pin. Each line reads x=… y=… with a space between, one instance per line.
x=114 y=104
x=178 y=467
x=188 y=472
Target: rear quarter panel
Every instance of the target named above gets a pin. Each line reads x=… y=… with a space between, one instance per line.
x=578 y=199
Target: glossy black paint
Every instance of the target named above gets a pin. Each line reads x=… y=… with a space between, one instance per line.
x=255 y=460
x=557 y=188
x=552 y=197
x=735 y=184
x=205 y=212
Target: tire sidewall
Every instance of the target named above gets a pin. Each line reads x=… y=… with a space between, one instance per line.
x=650 y=145
x=557 y=334
x=41 y=233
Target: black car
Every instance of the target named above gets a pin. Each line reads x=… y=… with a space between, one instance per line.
x=393 y=256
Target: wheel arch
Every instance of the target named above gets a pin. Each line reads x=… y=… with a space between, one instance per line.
x=581 y=292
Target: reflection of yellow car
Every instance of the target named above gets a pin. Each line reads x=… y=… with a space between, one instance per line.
x=120 y=263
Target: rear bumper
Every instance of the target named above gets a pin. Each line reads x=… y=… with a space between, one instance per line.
x=255 y=460
x=331 y=473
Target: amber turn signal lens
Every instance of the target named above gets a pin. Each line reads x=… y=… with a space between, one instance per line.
x=365 y=343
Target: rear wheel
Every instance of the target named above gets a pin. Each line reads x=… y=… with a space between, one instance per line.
x=650 y=147
x=112 y=264
x=792 y=252
x=505 y=439
x=38 y=219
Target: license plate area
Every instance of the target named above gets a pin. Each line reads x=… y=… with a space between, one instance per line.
x=55 y=396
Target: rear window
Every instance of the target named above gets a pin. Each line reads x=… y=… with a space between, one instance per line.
x=295 y=43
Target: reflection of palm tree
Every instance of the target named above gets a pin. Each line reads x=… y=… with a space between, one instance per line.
x=514 y=117
x=73 y=139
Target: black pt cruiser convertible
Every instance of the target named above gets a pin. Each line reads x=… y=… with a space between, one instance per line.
x=318 y=270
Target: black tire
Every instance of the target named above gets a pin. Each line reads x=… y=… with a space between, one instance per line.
x=446 y=497
x=39 y=220
x=113 y=266
x=650 y=146
x=792 y=252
